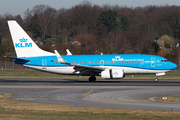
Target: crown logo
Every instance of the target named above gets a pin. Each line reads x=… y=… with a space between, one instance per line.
x=23 y=40
x=115 y=73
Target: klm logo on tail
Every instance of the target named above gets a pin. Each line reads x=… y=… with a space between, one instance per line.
x=23 y=43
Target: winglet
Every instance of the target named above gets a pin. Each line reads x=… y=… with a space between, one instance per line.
x=68 y=52
x=60 y=59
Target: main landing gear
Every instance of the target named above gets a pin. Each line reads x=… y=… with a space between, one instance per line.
x=92 y=79
x=156 y=79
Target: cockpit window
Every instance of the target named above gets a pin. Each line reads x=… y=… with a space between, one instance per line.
x=164 y=60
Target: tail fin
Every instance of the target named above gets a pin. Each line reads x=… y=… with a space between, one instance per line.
x=23 y=44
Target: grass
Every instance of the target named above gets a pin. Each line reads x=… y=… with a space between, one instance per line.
x=14 y=110
x=174 y=74
x=28 y=73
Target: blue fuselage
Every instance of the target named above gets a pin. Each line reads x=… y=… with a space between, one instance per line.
x=131 y=63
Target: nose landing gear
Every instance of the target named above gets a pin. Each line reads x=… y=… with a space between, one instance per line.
x=156 y=79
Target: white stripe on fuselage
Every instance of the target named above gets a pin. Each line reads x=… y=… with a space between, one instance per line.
x=70 y=70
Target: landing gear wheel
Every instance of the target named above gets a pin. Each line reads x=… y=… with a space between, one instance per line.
x=92 y=79
x=156 y=79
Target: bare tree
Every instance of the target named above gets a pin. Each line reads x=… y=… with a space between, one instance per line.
x=45 y=16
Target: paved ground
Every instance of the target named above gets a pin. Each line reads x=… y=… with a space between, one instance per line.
x=132 y=94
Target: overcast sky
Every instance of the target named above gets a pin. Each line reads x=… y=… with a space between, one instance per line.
x=17 y=7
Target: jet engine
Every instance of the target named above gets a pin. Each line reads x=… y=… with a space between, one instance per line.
x=112 y=74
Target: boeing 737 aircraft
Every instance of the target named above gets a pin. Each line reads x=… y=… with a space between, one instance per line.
x=106 y=66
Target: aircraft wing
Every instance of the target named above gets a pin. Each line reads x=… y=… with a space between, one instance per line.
x=83 y=69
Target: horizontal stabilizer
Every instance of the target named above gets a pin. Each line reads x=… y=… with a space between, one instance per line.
x=16 y=58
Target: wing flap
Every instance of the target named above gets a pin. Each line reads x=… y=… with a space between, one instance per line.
x=77 y=66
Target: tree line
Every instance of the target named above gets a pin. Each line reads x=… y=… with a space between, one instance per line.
x=107 y=29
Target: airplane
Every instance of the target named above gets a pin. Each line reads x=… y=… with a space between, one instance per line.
x=110 y=66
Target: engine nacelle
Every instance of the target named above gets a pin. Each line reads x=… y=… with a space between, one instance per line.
x=112 y=74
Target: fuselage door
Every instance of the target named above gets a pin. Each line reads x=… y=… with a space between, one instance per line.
x=44 y=64
x=102 y=63
x=152 y=62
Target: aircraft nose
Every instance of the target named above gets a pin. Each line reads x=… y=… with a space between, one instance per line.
x=173 y=66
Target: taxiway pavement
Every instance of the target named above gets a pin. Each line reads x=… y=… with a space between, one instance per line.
x=131 y=94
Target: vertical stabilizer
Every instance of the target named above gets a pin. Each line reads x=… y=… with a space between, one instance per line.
x=23 y=44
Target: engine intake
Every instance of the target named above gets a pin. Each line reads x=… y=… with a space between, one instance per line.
x=112 y=74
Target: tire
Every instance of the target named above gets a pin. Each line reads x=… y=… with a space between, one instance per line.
x=92 y=79
x=156 y=79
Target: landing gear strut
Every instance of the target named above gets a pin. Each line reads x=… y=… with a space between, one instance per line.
x=92 y=79
x=156 y=79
